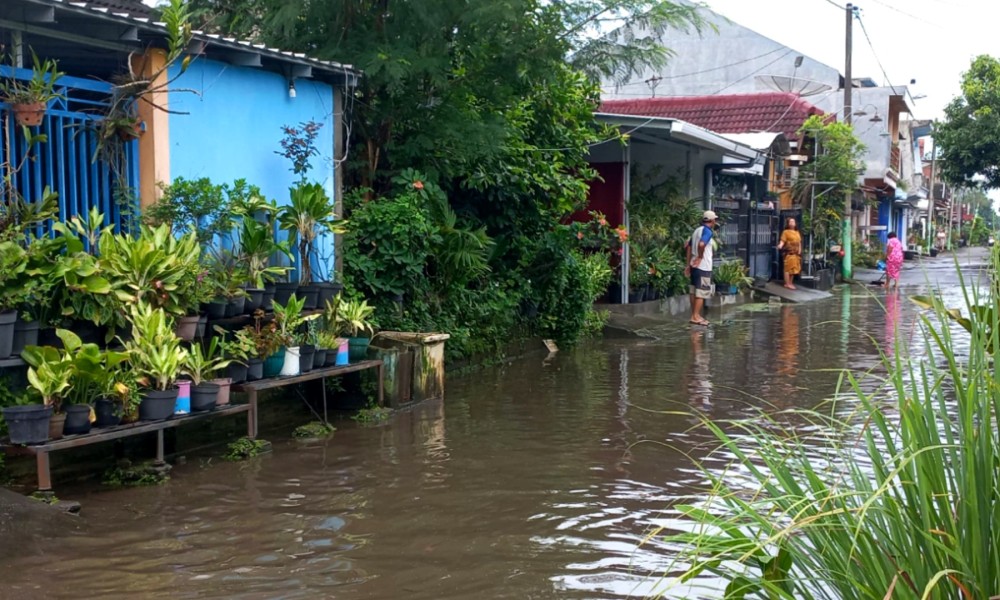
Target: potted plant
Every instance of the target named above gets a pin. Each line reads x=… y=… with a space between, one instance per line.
x=201 y=364
x=50 y=373
x=27 y=422
x=157 y=358
x=29 y=98
x=238 y=348
x=307 y=348
x=269 y=353
x=257 y=247
x=338 y=347
x=354 y=319
x=91 y=369
x=330 y=344
x=118 y=398
x=13 y=259
x=731 y=277
x=309 y=214
x=158 y=269
x=287 y=319
x=313 y=339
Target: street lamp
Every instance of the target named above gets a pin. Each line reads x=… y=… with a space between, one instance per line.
x=861 y=113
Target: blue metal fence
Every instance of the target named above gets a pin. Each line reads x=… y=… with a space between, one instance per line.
x=66 y=162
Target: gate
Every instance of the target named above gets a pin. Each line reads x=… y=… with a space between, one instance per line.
x=763 y=232
x=749 y=234
x=66 y=162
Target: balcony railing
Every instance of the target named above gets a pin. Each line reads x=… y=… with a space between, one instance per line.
x=895 y=160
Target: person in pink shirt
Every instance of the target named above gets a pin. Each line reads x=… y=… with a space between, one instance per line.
x=893 y=261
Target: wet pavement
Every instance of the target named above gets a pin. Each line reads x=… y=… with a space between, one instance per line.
x=544 y=478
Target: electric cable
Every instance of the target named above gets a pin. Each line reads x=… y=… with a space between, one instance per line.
x=878 y=60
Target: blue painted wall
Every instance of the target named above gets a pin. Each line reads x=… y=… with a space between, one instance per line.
x=884 y=217
x=232 y=128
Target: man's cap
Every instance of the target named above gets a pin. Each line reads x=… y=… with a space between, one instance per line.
x=709 y=216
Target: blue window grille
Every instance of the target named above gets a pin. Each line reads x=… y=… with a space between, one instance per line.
x=66 y=162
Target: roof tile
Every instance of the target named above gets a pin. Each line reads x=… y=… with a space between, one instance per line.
x=736 y=113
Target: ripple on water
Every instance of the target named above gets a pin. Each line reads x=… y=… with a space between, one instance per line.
x=553 y=478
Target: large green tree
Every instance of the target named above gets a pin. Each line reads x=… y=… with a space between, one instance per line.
x=493 y=102
x=969 y=134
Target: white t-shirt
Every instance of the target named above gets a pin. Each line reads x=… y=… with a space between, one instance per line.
x=702 y=233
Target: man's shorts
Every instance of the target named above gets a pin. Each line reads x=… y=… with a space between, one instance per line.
x=701 y=284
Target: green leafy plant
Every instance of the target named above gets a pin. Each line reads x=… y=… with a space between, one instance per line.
x=52 y=379
x=354 y=317
x=265 y=337
x=40 y=89
x=257 y=248
x=155 y=351
x=308 y=215
x=203 y=362
x=289 y=317
x=732 y=273
x=313 y=430
x=238 y=346
x=245 y=448
x=903 y=502
x=155 y=268
x=375 y=415
x=197 y=206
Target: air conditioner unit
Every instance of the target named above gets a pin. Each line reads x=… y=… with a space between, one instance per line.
x=792 y=173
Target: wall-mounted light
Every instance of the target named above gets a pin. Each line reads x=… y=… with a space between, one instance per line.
x=861 y=113
x=291 y=88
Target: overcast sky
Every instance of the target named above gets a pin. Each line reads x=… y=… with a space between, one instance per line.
x=932 y=41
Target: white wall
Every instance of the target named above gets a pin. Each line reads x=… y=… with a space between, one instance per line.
x=727 y=62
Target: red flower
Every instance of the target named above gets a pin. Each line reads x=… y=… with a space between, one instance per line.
x=418 y=185
x=579 y=235
x=603 y=222
x=619 y=252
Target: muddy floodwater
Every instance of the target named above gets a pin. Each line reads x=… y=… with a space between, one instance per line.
x=538 y=479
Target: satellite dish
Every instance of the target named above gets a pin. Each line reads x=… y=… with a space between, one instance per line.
x=793 y=85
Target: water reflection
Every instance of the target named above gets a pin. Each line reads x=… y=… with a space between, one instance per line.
x=538 y=479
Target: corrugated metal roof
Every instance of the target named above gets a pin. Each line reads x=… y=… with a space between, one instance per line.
x=134 y=13
x=736 y=113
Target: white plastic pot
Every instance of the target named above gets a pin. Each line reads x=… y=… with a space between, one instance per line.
x=290 y=368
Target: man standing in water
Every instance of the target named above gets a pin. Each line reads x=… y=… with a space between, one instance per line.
x=699 y=265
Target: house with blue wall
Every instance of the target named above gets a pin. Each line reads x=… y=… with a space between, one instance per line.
x=221 y=118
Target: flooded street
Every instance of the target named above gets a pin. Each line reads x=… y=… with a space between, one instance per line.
x=539 y=479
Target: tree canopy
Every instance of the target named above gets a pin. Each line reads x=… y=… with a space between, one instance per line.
x=969 y=134
x=444 y=81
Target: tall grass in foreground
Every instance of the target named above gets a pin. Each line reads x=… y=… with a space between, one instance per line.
x=903 y=503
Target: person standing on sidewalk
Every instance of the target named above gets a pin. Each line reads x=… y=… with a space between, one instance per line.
x=699 y=265
x=791 y=245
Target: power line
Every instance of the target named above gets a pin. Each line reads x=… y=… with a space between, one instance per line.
x=832 y=3
x=751 y=73
x=719 y=68
x=875 y=54
x=906 y=14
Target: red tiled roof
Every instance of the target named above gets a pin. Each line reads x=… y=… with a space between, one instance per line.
x=737 y=113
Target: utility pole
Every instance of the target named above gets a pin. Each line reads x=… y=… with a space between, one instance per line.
x=931 y=207
x=846 y=234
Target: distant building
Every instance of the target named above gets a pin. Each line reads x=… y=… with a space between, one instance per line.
x=738 y=61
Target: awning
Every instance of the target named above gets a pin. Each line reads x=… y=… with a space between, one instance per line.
x=681 y=131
